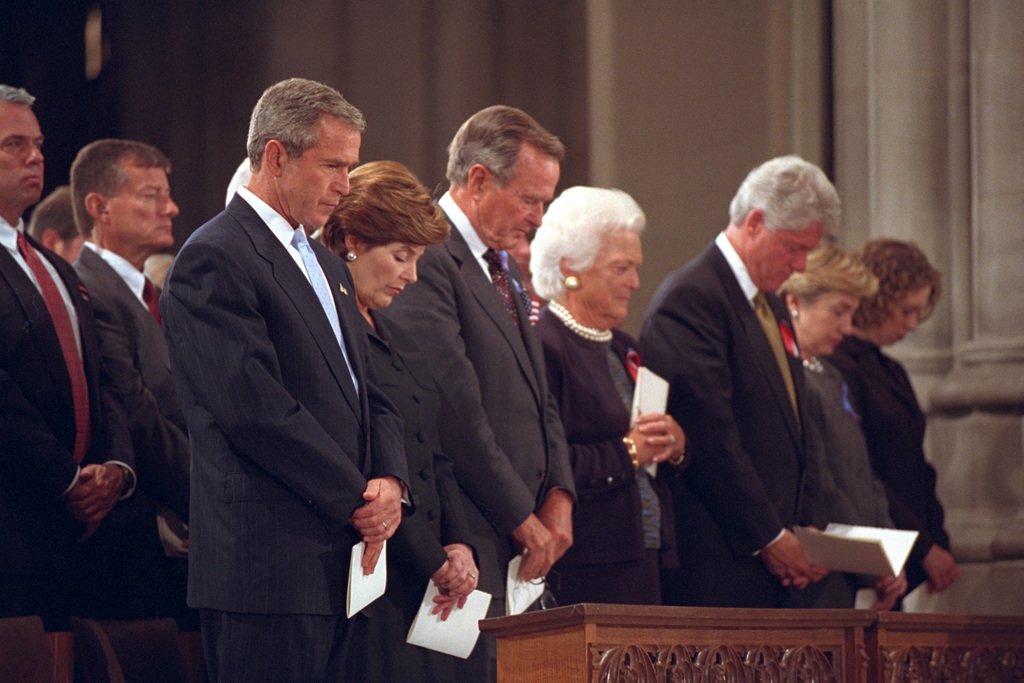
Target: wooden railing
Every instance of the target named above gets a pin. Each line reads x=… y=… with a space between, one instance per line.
x=629 y=643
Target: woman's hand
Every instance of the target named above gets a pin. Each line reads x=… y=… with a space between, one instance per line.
x=658 y=438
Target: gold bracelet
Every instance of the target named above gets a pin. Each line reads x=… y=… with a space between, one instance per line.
x=631 y=449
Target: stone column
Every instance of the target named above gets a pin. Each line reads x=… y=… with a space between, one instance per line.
x=929 y=106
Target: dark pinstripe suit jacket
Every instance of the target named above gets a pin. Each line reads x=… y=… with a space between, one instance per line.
x=282 y=445
x=508 y=444
x=37 y=423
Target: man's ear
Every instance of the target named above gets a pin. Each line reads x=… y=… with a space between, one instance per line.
x=478 y=179
x=96 y=207
x=274 y=157
x=754 y=222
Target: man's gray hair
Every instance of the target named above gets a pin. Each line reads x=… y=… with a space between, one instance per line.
x=575 y=227
x=12 y=95
x=289 y=112
x=492 y=137
x=793 y=194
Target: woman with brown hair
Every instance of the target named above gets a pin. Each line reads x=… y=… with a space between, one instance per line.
x=893 y=424
x=381 y=228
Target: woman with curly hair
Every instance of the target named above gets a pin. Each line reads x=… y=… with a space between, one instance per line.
x=893 y=424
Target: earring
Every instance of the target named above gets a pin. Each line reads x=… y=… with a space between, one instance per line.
x=350 y=256
x=572 y=283
x=793 y=313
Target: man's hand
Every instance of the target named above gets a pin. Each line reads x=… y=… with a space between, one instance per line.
x=534 y=539
x=556 y=515
x=95 y=493
x=941 y=569
x=785 y=559
x=378 y=518
x=888 y=589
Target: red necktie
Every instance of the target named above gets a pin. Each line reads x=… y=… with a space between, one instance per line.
x=152 y=301
x=502 y=282
x=62 y=323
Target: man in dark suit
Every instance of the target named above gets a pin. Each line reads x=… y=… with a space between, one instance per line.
x=736 y=389
x=63 y=444
x=123 y=204
x=508 y=444
x=296 y=454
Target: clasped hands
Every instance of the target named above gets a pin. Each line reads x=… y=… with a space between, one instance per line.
x=378 y=518
x=455 y=580
x=786 y=561
x=544 y=537
x=94 y=494
x=658 y=438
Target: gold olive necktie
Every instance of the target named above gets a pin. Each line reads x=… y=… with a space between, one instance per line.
x=771 y=329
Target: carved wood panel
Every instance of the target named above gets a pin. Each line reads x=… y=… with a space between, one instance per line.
x=953 y=663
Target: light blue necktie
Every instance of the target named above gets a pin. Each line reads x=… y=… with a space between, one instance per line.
x=316 y=278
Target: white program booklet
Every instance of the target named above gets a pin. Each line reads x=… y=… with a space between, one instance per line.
x=364 y=589
x=458 y=634
x=649 y=396
x=857 y=549
x=520 y=594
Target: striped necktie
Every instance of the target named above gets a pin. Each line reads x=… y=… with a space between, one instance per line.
x=771 y=329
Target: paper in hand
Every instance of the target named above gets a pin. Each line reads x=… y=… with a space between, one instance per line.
x=455 y=636
x=364 y=589
x=520 y=594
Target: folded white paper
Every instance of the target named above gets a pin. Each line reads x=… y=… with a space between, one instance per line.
x=364 y=589
x=649 y=396
x=857 y=549
x=458 y=634
x=520 y=594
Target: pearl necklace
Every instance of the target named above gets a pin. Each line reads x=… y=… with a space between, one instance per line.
x=588 y=333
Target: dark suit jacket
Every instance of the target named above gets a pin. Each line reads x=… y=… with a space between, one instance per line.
x=748 y=461
x=135 y=357
x=282 y=444
x=507 y=443
x=416 y=550
x=894 y=428
x=37 y=423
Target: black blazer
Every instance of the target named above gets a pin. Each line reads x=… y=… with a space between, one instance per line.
x=894 y=428
x=507 y=442
x=37 y=424
x=282 y=444
x=749 y=469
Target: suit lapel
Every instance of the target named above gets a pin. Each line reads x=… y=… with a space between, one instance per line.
x=295 y=285
x=38 y=316
x=487 y=296
x=757 y=343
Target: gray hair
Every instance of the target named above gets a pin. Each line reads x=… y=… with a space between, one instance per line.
x=12 y=95
x=575 y=227
x=492 y=137
x=793 y=194
x=289 y=112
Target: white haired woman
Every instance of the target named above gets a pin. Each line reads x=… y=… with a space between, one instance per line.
x=585 y=261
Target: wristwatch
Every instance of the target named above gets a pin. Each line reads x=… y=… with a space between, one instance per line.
x=129 y=481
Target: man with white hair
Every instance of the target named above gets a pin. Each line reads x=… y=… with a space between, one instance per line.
x=718 y=334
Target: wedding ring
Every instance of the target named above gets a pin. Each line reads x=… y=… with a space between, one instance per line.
x=673 y=437
x=472 y=576
x=384 y=524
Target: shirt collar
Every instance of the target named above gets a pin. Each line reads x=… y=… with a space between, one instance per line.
x=462 y=224
x=737 y=267
x=281 y=228
x=9 y=233
x=132 y=277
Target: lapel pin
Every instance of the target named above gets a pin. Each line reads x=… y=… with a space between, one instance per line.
x=342 y=289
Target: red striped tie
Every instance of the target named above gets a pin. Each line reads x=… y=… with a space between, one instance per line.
x=149 y=295
x=66 y=335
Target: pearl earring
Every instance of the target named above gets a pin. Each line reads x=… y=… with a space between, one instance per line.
x=350 y=256
x=793 y=313
x=572 y=283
